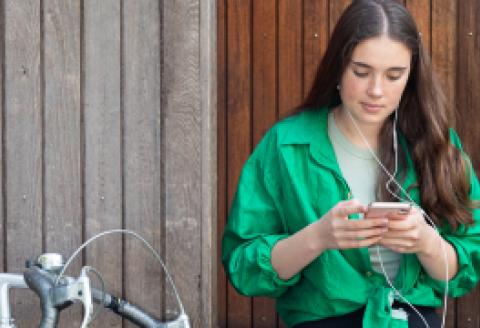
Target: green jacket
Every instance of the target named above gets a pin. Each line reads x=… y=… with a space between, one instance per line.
x=292 y=179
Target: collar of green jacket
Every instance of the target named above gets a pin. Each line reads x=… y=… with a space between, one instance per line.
x=310 y=126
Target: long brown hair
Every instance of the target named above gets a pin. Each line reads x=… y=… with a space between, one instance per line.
x=423 y=117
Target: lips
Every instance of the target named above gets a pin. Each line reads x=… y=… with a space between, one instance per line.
x=371 y=108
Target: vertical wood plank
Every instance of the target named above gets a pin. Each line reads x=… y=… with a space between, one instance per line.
x=2 y=119
x=102 y=117
x=264 y=95
x=62 y=182
x=421 y=12
x=468 y=78
x=263 y=111
x=182 y=144
x=336 y=9
x=290 y=56
x=444 y=45
x=23 y=122
x=315 y=38
x=221 y=158
x=208 y=106
x=239 y=45
x=142 y=152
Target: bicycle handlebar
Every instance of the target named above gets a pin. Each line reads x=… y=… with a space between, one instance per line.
x=41 y=283
x=56 y=292
x=54 y=298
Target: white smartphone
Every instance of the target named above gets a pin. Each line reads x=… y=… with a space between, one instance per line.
x=384 y=209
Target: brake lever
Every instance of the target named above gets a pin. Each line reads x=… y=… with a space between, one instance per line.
x=72 y=290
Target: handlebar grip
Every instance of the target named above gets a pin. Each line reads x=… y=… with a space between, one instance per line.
x=41 y=283
x=126 y=310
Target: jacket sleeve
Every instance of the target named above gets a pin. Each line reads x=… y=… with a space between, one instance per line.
x=254 y=226
x=466 y=242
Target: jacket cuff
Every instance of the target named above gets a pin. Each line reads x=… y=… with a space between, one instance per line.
x=464 y=280
x=265 y=262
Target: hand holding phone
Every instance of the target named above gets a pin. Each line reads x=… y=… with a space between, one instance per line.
x=386 y=209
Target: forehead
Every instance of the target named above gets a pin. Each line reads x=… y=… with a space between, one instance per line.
x=382 y=53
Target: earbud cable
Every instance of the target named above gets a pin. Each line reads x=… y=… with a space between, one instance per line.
x=387 y=186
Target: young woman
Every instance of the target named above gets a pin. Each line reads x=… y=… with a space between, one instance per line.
x=296 y=230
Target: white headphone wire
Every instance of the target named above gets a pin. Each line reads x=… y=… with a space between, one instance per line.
x=392 y=179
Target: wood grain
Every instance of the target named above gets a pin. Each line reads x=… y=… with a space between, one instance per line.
x=468 y=105
x=221 y=159
x=264 y=111
x=449 y=30
x=182 y=159
x=62 y=130
x=336 y=9
x=142 y=152
x=468 y=77
x=208 y=105
x=2 y=155
x=315 y=38
x=23 y=146
x=421 y=12
x=103 y=157
x=444 y=50
x=290 y=57
x=239 y=45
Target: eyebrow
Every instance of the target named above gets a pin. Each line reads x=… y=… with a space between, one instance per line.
x=395 y=68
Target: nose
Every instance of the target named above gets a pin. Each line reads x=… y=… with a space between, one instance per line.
x=375 y=88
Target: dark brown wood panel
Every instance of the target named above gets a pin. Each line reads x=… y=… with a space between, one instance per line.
x=450 y=31
x=468 y=124
x=421 y=12
x=264 y=103
x=290 y=57
x=315 y=38
x=336 y=8
x=444 y=49
x=239 y=47
x=468 y=77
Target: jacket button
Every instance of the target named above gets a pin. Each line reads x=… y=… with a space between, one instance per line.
x=349 y=196
x=369 y=273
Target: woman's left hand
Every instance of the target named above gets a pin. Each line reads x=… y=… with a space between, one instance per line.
x=409 y=233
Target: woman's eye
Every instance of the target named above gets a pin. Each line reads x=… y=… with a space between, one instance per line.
x=393 y=77
x=360 y=74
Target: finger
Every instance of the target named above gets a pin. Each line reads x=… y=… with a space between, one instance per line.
x=361 y=234
x=363 y=224
x=397 y=242
x=359 y=243
x=344 y=209
x=401 y=225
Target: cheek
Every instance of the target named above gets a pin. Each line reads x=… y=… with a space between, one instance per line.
x=352 y=90
x=396 y=92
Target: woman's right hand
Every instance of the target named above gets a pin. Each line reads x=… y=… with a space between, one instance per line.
x=336 y=231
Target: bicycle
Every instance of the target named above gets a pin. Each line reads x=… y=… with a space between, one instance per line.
x=44 y=277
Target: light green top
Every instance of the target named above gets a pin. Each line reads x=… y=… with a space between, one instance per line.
x=360 y=170
x=291 y=180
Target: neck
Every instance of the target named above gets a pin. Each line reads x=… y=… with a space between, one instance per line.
x=346 y=125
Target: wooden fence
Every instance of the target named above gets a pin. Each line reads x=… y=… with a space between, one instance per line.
x=267 y=54
x=108 y=121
